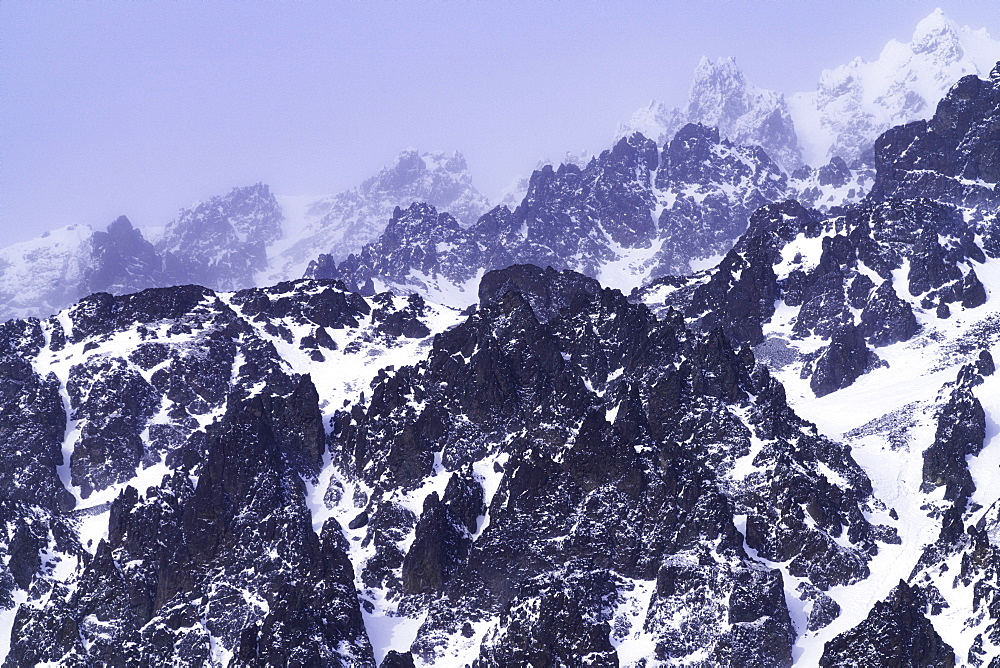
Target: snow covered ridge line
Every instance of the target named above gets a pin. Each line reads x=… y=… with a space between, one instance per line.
x=635 y=212
x=245 y=238
x=852 y=105
x=237 y=240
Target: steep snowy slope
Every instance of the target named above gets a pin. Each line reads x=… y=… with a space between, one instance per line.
x=882 y=323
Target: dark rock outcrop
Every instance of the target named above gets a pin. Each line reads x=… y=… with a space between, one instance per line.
x=842 y=362
x=895 y=633
x=887 y=319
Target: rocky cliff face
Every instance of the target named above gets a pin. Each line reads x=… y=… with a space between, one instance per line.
x=854 y=278
x=122 y=261
x=159 y=452
x=877 y=322
x=606 y=454
x=560 y=474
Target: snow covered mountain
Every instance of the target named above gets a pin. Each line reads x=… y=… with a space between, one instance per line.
x=244 y=238
x=855 y=103
x=222 y=242
x=43 y=275
x=852 y=105
x=342 y=224
x=40 y=276
x=880 y=323
x=721 y=97
x=208 y=519
x=789 y=457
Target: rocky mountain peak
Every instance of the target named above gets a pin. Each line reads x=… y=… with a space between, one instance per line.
x=122 y=260
x=722 y=97
x=412 y=169
x=854 y=103
x=952 y=157
x=719 y=89
x=342 y=224
x=121 y=226
x=937 y=33
x=222 y=242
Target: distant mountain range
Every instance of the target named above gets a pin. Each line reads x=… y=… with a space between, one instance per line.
x=251 y=237
x=852 y=105
x=788 y=457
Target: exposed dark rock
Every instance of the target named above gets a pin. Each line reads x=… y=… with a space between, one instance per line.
x=886 y=318
x=895 y=633
x=579 y=217
x=756 y=629
x=859 y=291
x=203 y=554
x=835 y=173
x=552 y=625
x=949 y=157
x=122 y=261
x=395 y=659
x=440 y=546
x=114 y=403
x=961 y=430
x=547 y=291
x=842 y=362
x=586 y=399
x=32 y=426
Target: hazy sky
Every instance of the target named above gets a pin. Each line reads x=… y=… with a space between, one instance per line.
x=141 y=108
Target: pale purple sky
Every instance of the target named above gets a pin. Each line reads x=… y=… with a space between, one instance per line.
x=141 y=108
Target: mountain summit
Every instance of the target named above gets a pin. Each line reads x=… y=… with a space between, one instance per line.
x=342 y=224
x=852 y=104
x=855 y=103
x=721 y=97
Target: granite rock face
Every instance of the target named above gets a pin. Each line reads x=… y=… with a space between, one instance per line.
x=896 y=633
